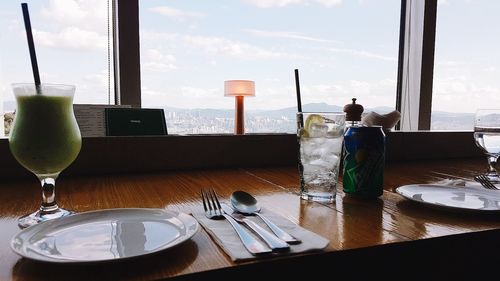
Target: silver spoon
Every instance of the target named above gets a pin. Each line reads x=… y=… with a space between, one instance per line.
x=245 y=203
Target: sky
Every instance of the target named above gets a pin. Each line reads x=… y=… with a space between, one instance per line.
x=467 y=56
x=70 y=39
x=342 y=48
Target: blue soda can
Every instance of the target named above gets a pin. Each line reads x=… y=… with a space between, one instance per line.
x=364 y=159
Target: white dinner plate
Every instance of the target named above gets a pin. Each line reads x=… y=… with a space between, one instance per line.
x=469 y=198
x=103 y=235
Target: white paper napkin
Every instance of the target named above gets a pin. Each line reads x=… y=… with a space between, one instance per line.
x=387 y=121
x=225 y=236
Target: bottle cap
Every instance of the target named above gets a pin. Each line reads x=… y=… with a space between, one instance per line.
x=353 y=111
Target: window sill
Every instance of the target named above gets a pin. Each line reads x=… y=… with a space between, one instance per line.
x=103 y=155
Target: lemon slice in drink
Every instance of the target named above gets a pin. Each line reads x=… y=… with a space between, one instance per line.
x=312 y=119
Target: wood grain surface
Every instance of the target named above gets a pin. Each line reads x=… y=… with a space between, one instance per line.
x=358 y=229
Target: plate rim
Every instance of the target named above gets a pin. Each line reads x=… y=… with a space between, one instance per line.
x=187 y=220
x=438 y=206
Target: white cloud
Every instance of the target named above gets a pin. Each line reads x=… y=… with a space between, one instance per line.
x=285 y=34
x=8 y=14
x=100 y=79
x=329 y=3
x=159 y=36
x=226 y=47
x=360 y=53
x=187 y=97
x=72 y=38
x=460 y=94
x=91 y=87
x=176 y=14
x=272 y=79
x=369 y=93
x=82 y=14
x=449 y=63
x=157 y=66
x=155 y=60
x=272 y=3
x=491 y=69
x=448 y=2
x=73 y=24
x=388 y=82
x=284 y=3
x=360 y=88
x=194 y=92
x=215 y=46
x=14 y=25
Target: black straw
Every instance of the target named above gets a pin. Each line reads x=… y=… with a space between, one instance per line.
x=31 y=45
x=297 y=89
x=299 y=102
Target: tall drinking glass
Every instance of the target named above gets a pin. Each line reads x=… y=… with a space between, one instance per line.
x=45 y=139
x=320 y=136
x=487 y=136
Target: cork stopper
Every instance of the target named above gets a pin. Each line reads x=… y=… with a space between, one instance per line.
x=353 y=111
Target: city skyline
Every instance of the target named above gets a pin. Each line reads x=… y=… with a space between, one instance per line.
x=221 y=121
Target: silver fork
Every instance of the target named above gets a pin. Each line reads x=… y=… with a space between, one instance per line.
x=213 y=210
x=485 y=182
x=271 y=240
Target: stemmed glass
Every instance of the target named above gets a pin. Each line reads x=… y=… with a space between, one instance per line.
x=45 y=139
x=487 y=136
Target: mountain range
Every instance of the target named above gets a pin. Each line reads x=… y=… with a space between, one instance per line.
x=441 y=120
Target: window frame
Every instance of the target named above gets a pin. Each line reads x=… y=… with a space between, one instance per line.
x=416 y=64
x=227 y=150
x=104 y=155
x=128 y=77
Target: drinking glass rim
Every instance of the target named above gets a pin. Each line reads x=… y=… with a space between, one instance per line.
x=42 y=84
x=29 y=89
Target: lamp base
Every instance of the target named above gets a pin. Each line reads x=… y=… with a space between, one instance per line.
x=239 y=116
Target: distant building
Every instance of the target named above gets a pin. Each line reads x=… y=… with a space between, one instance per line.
x=8 y=118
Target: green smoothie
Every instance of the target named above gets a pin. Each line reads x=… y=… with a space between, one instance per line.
x=45 y=137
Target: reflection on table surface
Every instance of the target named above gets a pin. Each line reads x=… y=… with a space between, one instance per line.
x=384 y=232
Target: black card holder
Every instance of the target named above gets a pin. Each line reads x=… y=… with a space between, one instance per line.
x=135 y=122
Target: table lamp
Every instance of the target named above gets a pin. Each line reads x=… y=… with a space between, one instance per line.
x=239 y=89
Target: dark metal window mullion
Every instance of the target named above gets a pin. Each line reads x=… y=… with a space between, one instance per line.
x=127 y=53
x=399 y=87
x=427 y=72
x=425 y=79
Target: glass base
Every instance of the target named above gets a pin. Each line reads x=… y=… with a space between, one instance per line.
x=494 y=178
x=41 y=216
x=323 y=197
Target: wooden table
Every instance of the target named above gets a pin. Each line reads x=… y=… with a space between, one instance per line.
x=387 y=233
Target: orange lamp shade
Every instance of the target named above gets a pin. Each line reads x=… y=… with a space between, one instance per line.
x=239 y=89
x=234 y=88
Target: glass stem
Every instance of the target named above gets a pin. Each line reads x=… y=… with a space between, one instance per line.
x=48 y=195
x=492 y=163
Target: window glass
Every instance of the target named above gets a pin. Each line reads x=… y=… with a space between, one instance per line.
x=343 y=49
x=72 y=47
x=467 y=62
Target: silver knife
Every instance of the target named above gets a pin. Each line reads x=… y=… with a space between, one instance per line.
x=251 y=244
x=271 y=240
